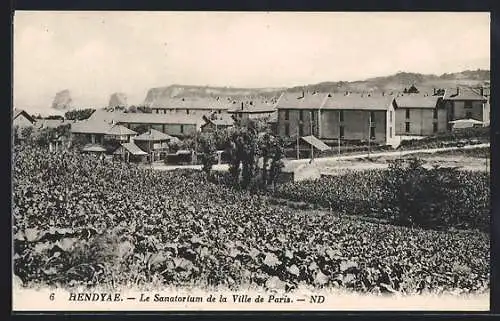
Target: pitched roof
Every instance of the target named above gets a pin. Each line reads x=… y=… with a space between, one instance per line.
x=18 y=112
x=91 y=127
x=358 y=102
x=131 y=148
x=463 y=94
x=253 y=107
x=296 y=101
x=417 y=101
x=119 y=130
x=219 y=120
x=51 y=123
x=153 y=135
x=153 y=118
x=192 y=103
x=94 y=148
x=316 y=143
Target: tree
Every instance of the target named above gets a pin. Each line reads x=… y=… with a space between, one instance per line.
x=80 y=114
x=27 y=133
x=208 y=156
x=132 y=109
x=413 y=90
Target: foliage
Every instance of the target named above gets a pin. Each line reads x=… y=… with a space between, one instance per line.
x=77 y=221
x=142 y=128
x=80 y=114
x=405 y=194
x=58 y=117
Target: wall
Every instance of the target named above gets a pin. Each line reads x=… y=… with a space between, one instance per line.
x=21 y=121
x=198 y=112
x=460 y=112
x=356 y=125
x=171 y=129
x=421 y=121
x=294 y=122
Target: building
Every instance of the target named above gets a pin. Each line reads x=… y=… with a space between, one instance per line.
x=297 y=112
x=154 y=143
x=178 y=125
x=217 y=121
x=254 y=109
x=100 y=132
x=192 y=106
x=420 y=115
x=346 y=117
x=465 y=103
x=22 y=119
x=358 y=118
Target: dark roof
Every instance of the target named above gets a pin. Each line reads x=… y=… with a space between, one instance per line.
x=18 y=112
x=153 y=135
x=297 y=101
x=417 y=101
x=358 y=102
x=463 y=94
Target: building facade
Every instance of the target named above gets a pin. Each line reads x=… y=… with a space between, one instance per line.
x=420 y=115
x=346 y=117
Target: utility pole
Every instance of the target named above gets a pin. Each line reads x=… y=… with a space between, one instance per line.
x=310 y=125
x=369 y=133
x=195 y=158
x=298 y=141
x=339 y=133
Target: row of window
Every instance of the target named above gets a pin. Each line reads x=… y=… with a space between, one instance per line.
x=341 y=131
x=341 y=115
x=408 y=127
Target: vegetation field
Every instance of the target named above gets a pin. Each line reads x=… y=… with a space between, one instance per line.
x=82 y=221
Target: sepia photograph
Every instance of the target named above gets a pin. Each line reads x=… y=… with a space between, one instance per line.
x=196 y=161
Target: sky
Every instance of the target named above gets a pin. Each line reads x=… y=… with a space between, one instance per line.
x=94 y=54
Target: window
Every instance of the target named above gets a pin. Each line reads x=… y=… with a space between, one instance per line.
x=341 y=115
x=435 y=113
x=468 y=115
x=287 y=129
x=341 y=131
x=187 y=111
x=390 y=116
x=182 y=129
x=407 y=127
x=301 y=130
x=301 y=115
x=407 y=114
x=435 y=127
x=468 y=104
x=390 y=132
x=372 y=132
x=287 y=114
x=313 y=115
x=372 y=117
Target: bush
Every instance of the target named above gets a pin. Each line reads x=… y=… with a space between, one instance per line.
x=405 y=194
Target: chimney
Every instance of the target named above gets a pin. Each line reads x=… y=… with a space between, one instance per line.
x=241 y=105
x=458 y=91
x=303 y=94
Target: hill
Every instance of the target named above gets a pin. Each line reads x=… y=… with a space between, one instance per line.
x=400 y=80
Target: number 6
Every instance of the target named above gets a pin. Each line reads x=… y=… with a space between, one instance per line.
x=51 y=297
